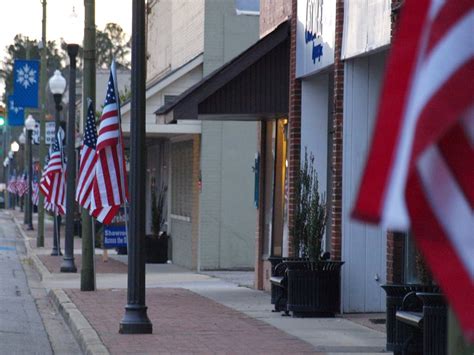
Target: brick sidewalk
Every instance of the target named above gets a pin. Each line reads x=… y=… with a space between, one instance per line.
x=53 y=264
x=183 y=323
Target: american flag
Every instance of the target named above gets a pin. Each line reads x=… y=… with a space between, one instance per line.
x=420 y=170
x=88 y=160
x=45 y=185
x=22 y=185
x=45 y=182
x=11 y=187
x=35 y=193
x=109 y=186
x=56 y=172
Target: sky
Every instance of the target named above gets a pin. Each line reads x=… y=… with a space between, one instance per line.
x=25 y=16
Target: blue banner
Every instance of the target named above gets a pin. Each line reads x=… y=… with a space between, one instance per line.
x=16 y=115
x=115 y=233
x=26 y=83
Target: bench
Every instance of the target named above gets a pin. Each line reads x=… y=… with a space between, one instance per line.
x=278 y=282
x=421 y=324
x=409 y=324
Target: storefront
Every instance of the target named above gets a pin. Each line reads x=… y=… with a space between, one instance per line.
x=253 y=87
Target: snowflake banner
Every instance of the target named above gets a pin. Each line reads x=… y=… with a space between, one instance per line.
x=16 y=115
x=26 y=83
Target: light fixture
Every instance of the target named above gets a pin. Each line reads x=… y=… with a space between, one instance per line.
x=15 y=147
x=74 y=34
x=22 y=138
x=57 y=83
x=30 y=123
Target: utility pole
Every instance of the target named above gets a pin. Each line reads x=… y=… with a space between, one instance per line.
x=87 y=271
x=42 y=135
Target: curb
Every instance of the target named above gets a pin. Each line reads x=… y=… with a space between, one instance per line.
x=37 y=264
x=85 y=334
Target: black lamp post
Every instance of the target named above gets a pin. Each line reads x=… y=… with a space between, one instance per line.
x=14 y=148
x=57 y=85
x=22 y=141
x=135 y=320
x=30 y=126
x=72 y=50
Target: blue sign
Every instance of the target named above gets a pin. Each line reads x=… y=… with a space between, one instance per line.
x=115 y=233
x=16 y=115
x=115 y=236
x=26 y=82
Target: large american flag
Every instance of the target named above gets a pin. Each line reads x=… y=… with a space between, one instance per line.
x=45 y=182
x=22 y=185
x=420 y=170
x=88 y=159
x=11 y=186
x=56 y=172
x=109 y=189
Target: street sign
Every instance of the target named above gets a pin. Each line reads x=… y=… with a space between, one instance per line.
x=115 y=233
x=50 y=128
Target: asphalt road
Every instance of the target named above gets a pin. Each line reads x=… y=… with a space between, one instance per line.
x=28 y=322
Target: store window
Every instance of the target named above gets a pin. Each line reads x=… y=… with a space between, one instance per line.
x=410 y=271
x=181 y=179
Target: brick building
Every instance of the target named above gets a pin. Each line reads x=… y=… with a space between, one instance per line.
x=311 y=82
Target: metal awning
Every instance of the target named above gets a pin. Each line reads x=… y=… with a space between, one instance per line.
x=253 y=85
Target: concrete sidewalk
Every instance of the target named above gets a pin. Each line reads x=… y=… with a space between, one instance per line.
x=192 y=313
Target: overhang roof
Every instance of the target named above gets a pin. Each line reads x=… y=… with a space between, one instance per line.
x=255 y=83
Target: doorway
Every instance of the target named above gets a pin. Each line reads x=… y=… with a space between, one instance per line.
x=276 y=188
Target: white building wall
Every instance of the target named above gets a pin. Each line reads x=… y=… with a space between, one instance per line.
x=227 y=215
x=175 y=35
x=157 y=99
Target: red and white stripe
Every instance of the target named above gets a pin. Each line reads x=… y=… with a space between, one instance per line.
x=86 y=176
x=420 y=170
x=109 y=187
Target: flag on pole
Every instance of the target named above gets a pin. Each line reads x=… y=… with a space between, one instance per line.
x=35 y=193
x=26 y=82
x=11 y=187
x=45 y=182
x=109 y=189
x=88 y=160
x=56 y=172
x=16 y=114
x=22 y=185
x=420 y=170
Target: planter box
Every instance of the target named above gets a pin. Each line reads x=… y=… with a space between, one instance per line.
x=156 y=249
x=314 y=288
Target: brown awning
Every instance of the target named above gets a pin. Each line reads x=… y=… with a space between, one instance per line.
x=254 y=84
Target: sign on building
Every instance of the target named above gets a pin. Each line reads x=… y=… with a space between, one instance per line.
x=315 y=36
x=115 y=233
x=50 y=128
x=366 y=26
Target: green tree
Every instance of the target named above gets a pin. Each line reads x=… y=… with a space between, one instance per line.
x=112 y=43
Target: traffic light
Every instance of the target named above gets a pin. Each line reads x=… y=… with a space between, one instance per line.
x=2 y=116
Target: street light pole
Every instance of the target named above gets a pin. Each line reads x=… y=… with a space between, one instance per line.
x=57 y=85
x=68 y=261
x=30 y=126
x=135 y=320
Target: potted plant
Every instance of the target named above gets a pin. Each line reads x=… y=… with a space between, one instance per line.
x=156 y=244
x=313 y=281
